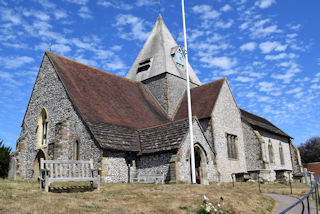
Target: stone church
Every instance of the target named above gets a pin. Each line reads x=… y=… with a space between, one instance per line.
x=138 y=126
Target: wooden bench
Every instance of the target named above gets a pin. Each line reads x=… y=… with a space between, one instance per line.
x=149 y=178
x=67 y=170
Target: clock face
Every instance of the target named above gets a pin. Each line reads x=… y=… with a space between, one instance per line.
x=178 y=58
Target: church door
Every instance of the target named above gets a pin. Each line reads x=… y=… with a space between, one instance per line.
x=36 y=164
x=198 y=165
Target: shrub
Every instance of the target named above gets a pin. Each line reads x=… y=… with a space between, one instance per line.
x=4 y=159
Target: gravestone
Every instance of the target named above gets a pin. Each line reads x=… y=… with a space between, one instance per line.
x=12 y=169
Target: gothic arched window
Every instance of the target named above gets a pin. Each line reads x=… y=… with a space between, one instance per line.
x=76 y=150
x=281 y=155
x=43 y=128
x=271 y=154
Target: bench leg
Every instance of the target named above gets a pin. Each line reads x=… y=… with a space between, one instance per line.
x=98 y=182
x=91 y=184
x=47 y=186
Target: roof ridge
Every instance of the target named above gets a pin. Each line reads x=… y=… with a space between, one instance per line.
x=209 y=83
x=104 y=72
x=163 y=124
x=259 y=117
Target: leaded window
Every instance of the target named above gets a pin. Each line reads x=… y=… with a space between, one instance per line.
x=232 y=146
x=281 y=155
x=271 y=154
x=76 y=154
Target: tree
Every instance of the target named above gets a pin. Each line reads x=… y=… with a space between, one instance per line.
x=4 y=159
x=310 y=150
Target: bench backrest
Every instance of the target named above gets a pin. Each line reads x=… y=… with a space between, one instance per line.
x=67 y=168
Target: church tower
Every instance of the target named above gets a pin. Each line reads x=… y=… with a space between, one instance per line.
x=160 y=65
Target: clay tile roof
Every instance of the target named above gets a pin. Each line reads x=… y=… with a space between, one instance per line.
x=163 y=138
x=114 y=137
x=103 y=99
x=203 y=99
x=106 y=98
x=261 y=122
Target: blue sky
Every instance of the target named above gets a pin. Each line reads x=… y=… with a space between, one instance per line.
x=267 y=49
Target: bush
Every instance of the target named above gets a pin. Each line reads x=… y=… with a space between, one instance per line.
x=4 y=159
x=310 y=150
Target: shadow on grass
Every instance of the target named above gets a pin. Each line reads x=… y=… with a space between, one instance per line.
x=71 y=189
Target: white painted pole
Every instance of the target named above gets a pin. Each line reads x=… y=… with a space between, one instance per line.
x=193 y=170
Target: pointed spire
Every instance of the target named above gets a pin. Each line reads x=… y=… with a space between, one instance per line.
x=156 y=56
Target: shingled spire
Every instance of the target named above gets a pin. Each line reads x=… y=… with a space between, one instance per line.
x=158 y=49
x=160 y=66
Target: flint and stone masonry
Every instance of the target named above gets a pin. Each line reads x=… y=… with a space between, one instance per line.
x=126 y=145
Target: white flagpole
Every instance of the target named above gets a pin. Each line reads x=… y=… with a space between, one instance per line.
x=193 y=170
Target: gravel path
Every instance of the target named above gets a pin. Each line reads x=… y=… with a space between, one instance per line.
x=284 y=201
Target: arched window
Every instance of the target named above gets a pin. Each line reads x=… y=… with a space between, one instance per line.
x=76 y=150
x=271 y=155
x=281 y=155
x=43 y=128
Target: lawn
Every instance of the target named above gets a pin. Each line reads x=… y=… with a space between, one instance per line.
x=25 y=197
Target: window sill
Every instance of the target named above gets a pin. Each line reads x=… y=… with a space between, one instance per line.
x=41 y=147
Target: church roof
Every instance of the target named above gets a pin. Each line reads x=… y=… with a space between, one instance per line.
x=102 y=97
x=203 y=99
x=163 y=138
x=261 y=122
x=156 y=56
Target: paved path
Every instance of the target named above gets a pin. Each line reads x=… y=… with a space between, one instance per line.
x=284 y=201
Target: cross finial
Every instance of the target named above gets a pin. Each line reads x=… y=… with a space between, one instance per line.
x=50 y=45
x=159 y=6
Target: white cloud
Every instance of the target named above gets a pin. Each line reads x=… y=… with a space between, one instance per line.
x=206 y=12
x=315 y=86
x=266 y=86
x=115 y=4
x=294 y=91
x=280 y=56
x=9 y=78
x=60 y=14
x=224 y=25
x=267 y=47
x=250 y=46
x=243 y=79
x=141 y=3
x=288 y=74
x=8 y=15
x=259 y=29
x=115 y=65
x=267 y=99
x=80 y=2
x=38 y=14
x=15 y=61
x=84 y=12
x=61 y=48
x=137 y=27
x=16 y=45
x=85 y=61
x=47 y=4
x=220 y=62
x=264 y=3
x=226 y=8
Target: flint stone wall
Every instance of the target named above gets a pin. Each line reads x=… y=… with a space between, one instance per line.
x=276 y=140
x=227 y=120
x=49 y=93
x=252 y=147
x=155 y=164
x=183 y=157
x=168 y=90
x=114 y=168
